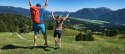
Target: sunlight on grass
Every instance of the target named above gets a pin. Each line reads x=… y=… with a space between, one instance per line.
x=12 y=44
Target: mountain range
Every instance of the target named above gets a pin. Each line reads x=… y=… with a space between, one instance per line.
x=101 y=13
x=14 y=10
x=117 y=17
x=91 y=13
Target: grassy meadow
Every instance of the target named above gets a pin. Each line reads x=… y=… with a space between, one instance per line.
x=11 y=43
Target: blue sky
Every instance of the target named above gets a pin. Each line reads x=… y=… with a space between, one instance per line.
x=68 y=5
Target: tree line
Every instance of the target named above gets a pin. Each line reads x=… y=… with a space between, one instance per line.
x=15 y=23
x=22 y=24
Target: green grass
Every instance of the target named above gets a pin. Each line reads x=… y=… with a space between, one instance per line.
x=12 y=44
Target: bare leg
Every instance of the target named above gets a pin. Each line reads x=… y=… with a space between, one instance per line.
x=55 y=41
x=45 y=38
x=35 y=38
x=59 y=42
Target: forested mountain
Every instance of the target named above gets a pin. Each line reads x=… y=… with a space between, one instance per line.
x=117 y=17
x=101 y=13
x=105 y=14
x=14 y=10
x=90 y=13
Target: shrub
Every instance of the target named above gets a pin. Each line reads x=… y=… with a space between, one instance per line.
x=110 y=33
x=79 y=37
x=84 y=37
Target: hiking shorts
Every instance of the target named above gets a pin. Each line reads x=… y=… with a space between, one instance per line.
x=57 y=32
x=38 y=27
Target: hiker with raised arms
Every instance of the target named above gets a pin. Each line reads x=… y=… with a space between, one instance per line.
x=38 y=20
x=59 y=22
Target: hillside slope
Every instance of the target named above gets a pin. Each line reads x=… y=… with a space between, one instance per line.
x=90 y=13
x=116 y=17
x=13 y=43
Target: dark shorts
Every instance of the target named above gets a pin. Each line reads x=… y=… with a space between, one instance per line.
x=57 y=32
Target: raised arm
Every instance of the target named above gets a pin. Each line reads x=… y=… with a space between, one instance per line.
x=46 y=4
x=53 y=16
x=66 y=16
x=30 y=2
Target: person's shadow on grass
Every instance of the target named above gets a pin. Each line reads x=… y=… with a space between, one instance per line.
x=10 y=46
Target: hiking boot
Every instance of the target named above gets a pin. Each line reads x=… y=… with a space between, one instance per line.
x=46 y=45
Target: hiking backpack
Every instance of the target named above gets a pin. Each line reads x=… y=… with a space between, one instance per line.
x=35 y=14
